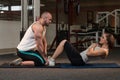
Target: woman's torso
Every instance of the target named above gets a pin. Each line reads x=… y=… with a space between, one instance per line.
x=85 y=57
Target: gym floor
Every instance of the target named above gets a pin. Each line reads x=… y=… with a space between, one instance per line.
x=62 y=73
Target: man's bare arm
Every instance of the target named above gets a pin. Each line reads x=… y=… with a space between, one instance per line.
x=39 y=39
x=45 y=45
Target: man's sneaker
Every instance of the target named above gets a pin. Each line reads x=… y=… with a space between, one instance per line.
x=51 y=61
x=16 y=62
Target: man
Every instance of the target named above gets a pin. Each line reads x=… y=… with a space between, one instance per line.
x=33 y=47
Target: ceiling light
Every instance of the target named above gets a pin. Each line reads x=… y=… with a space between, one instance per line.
x=1 y=12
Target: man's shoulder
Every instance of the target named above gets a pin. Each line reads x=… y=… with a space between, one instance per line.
x=36 y=24
x=37 y=27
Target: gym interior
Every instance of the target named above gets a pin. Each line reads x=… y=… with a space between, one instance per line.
x=79 y=21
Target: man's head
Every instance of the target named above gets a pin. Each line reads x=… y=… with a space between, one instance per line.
x=47 y=18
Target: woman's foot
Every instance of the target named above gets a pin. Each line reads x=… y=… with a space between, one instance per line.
x=51 y=61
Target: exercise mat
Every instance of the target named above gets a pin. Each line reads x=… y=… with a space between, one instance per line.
x=93 y=65
x=68 y=65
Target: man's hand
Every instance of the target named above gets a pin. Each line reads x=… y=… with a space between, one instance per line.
x=46 y=61
x=44 y=55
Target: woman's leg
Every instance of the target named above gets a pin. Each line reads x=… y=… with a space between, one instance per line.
x=72 y=53
x=59 y=49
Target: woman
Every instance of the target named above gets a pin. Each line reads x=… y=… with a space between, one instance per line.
x=100 y=49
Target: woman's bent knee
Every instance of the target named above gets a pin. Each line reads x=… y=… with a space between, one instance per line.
x=63 y=42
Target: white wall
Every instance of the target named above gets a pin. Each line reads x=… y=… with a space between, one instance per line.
x=9 y=34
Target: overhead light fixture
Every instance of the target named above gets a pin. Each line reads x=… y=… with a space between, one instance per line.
x=1 y=12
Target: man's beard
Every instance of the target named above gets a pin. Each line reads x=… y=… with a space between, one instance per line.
x=46 y=25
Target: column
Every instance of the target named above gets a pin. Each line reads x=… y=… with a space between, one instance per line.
x=36 y=4
x=24 y=15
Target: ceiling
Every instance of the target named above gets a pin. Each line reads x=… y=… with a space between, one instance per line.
x=49 y=5
x=18 y=2
x=15 y=15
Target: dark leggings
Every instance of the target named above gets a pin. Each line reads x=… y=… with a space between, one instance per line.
x=73 y=55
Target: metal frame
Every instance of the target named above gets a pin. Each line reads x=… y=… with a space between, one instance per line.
x=116 y=14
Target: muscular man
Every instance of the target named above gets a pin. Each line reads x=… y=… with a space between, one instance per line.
x=33 y=47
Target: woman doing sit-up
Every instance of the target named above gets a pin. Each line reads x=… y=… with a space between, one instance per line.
x=100 y=49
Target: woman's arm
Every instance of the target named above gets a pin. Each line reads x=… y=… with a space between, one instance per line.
x=92 y=52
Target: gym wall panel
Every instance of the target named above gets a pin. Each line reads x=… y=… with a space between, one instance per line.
x=9 y=34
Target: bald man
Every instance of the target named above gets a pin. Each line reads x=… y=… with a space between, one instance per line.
x=32 y=49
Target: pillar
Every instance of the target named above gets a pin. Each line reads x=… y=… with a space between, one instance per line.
x=36 y=11
x=24 y=15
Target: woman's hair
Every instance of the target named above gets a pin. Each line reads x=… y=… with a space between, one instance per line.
x=110 y=39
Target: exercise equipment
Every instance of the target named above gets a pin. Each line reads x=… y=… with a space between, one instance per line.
x=104 y=19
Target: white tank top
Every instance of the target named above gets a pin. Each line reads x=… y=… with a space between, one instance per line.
x=28 y=41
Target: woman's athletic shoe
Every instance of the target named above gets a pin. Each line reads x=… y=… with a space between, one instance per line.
x=51 y=61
